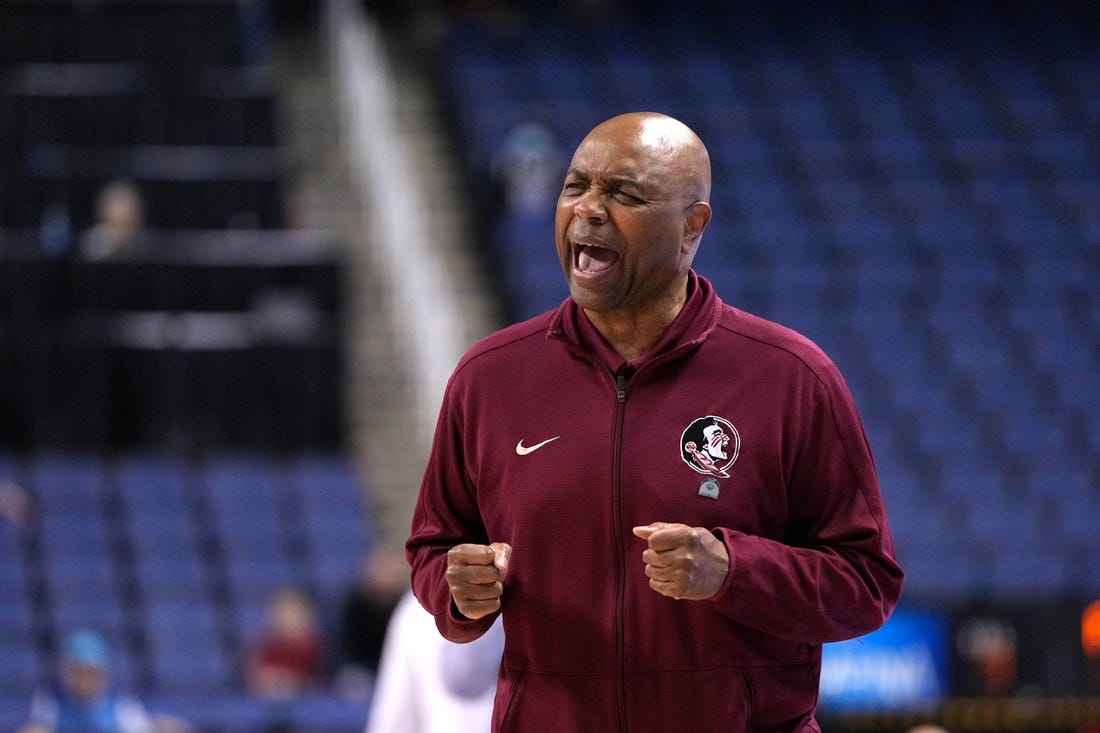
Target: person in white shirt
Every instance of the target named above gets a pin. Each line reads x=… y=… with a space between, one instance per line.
x=427 y=684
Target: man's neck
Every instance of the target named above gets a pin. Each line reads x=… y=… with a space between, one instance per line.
x=633 y=334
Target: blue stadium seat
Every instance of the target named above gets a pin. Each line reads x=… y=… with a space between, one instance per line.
x=328 y=715
x=187 y=654
x=93 y=605
x=64 y=470
x=156 y=531
x=12 y=564
x=990 y=518
x=329 y=491
x=147 y=480
x=252 y=580
x=245 y=496
x=1026 y=429
x=335 y=524
x=943 y=572
x=1087 y=577
x=14 y=709
x=908 y=157
x=22 y=673
x=174 y=575
x=197 y=671
x=1023 y=571
x=918 y=524
x=78 y=530
x=16 y=611
x=57 y=479
x=1077 y=512
x=231 y=712
x=1060 y=473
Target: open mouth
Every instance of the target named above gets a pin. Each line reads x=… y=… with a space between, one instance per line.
x=592 y=259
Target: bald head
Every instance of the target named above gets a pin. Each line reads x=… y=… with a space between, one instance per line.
x=665 y=145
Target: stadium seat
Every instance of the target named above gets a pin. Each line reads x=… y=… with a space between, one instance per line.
x=334 y=520
x=22 y=674
x=17 y=611
x=187 y=654
x=1024 y=571
x=328 y=715
x=175 y=574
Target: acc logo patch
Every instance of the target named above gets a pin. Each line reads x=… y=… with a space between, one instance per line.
x=710 y=445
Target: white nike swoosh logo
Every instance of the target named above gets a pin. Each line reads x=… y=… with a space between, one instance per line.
x=522 y=450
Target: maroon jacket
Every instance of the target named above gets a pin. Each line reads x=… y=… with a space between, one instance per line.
x=730 y=422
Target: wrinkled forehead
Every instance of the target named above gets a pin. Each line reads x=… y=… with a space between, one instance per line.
x=600 y=157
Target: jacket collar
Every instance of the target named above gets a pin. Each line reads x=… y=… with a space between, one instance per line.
x=692 y=325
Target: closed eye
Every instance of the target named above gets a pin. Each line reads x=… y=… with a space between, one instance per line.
x=574 y=188
x=628 y=198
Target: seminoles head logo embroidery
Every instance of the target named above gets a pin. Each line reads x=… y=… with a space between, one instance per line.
x=710 y=445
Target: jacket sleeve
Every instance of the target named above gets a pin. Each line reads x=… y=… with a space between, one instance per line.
x=834 y=575
x=446 y=514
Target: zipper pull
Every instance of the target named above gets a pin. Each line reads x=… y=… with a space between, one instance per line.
x=620 y=387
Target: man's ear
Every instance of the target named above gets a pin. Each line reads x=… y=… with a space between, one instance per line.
x=696 y=218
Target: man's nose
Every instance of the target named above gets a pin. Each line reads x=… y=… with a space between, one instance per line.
x=590 y=206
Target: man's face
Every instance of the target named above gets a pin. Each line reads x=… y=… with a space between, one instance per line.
x=620 y=224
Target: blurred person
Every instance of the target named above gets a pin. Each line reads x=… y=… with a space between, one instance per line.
x=16 y=505
x=527 y=168
x=364 y=615
x=84 y=699
x=641 y=588
x=120 y=222
x=427 y=684
x=988 y=647
x=288 y=659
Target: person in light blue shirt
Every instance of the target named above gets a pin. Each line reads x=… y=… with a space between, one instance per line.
x=83 y=699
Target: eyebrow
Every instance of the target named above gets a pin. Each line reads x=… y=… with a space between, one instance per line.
x=617 y=180
x=625 y=181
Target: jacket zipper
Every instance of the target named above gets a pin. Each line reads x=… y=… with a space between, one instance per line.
x=616 y=512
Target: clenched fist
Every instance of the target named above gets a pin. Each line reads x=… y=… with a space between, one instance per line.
x=476 y=575
x=682 y=562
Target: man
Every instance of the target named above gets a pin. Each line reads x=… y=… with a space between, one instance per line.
x=640 y=589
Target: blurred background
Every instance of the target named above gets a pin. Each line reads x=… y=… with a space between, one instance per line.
x=244 y=242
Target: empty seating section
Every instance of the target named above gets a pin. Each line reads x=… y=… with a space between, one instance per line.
x=173 y=560
x=166 y=94
x=916 y=186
